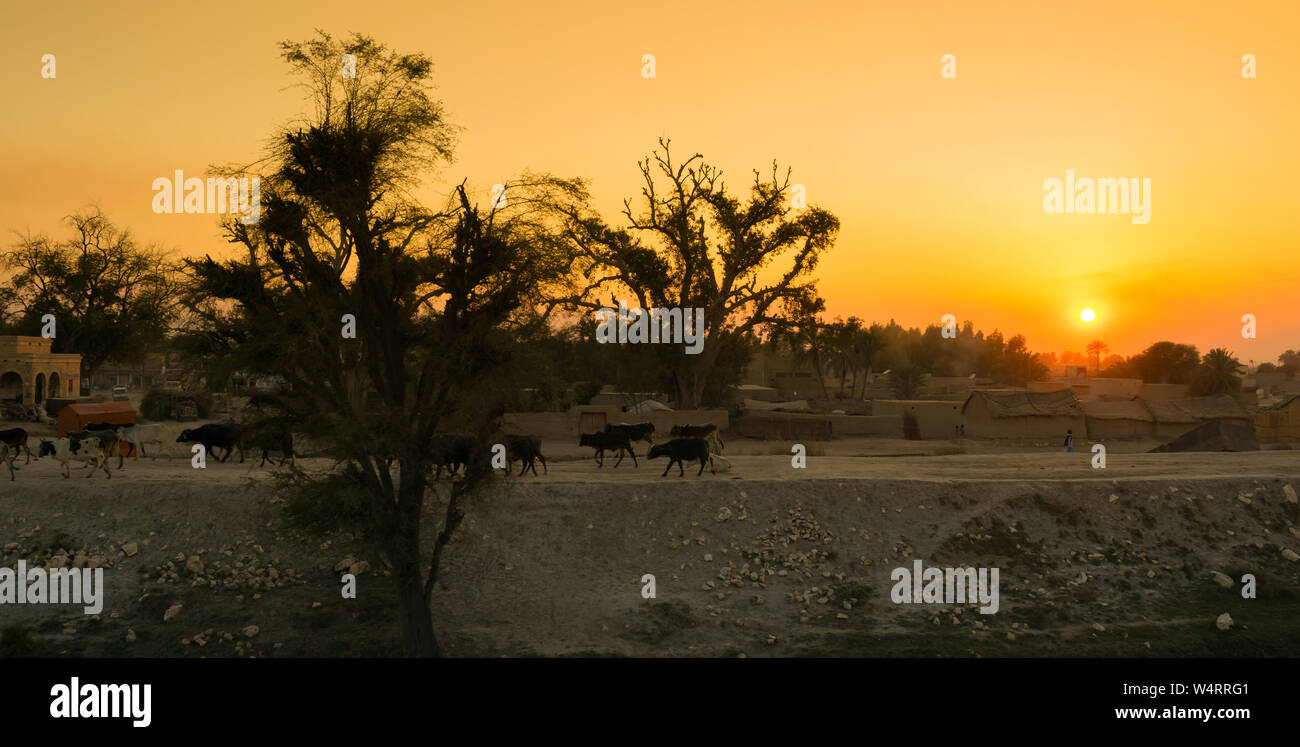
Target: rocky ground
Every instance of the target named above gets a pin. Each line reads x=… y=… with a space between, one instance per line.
x=1143 y=558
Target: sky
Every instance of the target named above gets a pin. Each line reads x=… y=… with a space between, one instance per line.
x=938 y=182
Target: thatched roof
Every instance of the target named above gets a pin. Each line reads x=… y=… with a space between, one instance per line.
x=1131 y=409
x=1027 y=404
x=1196 y=409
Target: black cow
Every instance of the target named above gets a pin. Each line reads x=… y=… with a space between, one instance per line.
x=603 y=441
x=16 y=440
x=212 y=435
x=635 y=431
x=527 y=449
x=681 y=449
x=451 y=451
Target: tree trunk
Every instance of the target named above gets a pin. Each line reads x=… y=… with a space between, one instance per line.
x=417 y=625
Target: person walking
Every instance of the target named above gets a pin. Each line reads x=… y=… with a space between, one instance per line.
x=1069 y=440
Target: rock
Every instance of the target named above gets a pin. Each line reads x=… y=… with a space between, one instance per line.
x=1289 y=492
x=194 y=564
x=1083 y=578
x=708 y=557
x=1222 y=580
x=1224 y=622
x=130 y=549
x=251 y=631
x=359 y=567
x=1243 y=498
x=1294 y=532
x=1289 y=554
x=172 y=612
x=1099 y=627
x=130 y=635
x=344 y=564
x=1114 y=498
x=724 y=513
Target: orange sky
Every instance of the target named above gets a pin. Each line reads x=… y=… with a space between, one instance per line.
x=938 y=183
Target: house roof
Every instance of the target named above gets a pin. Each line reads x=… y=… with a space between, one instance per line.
x=1060 y=403
x=1285 y=403
x=1195 y=409
x=1130 y=409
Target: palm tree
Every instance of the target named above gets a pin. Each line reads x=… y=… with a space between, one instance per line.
x=1218 y=373
x=905 y=381
x=808 y=341
x=1096 y=349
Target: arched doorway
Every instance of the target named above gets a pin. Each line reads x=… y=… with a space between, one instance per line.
x=54 y=384
x=39 y=392
x=11 y=387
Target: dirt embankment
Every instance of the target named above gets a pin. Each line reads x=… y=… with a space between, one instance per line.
x=554 y=566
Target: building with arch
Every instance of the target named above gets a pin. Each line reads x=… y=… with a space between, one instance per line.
x=30 y=373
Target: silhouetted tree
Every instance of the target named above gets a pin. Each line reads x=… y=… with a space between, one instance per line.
x=110 y=297
x=434 y=296
x=691 y=244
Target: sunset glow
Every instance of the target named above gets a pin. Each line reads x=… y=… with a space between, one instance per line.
x=938 y=183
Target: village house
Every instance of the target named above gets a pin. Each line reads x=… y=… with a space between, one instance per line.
x=30 y=373
x=989 y=414
x=1280 y=423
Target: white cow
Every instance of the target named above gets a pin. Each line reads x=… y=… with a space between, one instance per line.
x=139 y=435
x=90 y=450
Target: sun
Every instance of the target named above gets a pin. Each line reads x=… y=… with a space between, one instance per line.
x=1088 y=315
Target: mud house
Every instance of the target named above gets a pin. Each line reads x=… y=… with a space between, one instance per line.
x=30 y=373
x=1174 y=417
x=1280 y=423
x=1123 y=419
x=930 y=418
x=1022 y=414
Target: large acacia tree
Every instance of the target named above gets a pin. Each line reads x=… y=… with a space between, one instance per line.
x=433 y=295
x=110 y=296
x=690 y=243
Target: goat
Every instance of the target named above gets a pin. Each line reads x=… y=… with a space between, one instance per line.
x=611 y=440
x=16 y=440
x=680 y=449
x=708 y=432
x=635 y=431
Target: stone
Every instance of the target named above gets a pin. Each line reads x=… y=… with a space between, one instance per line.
x=1289 y=492
x=1222 y=580
x=172 y=612
x=194 y=564
x=250 y=631
x=1224 y=622
x=130 y=549
x=1289 y=554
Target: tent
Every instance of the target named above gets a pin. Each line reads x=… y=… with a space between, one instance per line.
x=79 y=415
x=1216 y=435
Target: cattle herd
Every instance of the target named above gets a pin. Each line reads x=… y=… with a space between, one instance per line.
x=96 y=445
